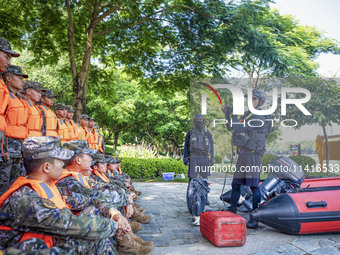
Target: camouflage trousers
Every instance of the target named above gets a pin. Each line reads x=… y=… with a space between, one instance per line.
x=9 y=172
x=36 y=246
x=104 y=246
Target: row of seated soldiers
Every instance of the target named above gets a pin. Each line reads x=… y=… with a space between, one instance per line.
x=27 y=112
x=73 y=200
x=55 y=200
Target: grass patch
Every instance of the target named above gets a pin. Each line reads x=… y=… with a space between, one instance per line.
x=108 y=149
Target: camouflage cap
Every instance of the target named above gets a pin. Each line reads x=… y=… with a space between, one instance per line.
x=83 y=116
x=99 y=157
x=111 y=160
x=48 y=93
x=69 y=108
x=16 y=70
x=118 y=160
x=6 y=47
x=79 y=147
x=43 y=147
x=91 y=118
x=33 y=85
x=95 y=125
x=59 y=106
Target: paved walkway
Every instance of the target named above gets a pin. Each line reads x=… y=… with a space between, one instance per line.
x=172 y=232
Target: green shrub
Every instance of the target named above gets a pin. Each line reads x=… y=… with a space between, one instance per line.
x=267 y=158
x=218 y=159
x=137 y=151
x=151 y=168
x=303 y=161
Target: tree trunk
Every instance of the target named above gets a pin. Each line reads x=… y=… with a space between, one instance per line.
x=116 y=135
x=81 y=81
x=327 y=146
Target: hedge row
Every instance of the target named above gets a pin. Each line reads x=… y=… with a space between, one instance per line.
x=151 y=168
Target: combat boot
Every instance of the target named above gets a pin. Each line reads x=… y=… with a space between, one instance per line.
x=128 y=246
x=140 y=217
x=140 y=210
x=136 y=205
x=135 y=226
x=252 y=223
x=141 y=241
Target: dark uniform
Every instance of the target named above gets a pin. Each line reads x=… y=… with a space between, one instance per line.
x=250 y=140
x=198 y=147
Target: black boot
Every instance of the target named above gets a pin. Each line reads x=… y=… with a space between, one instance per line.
x=252 y=223
x=232 y=209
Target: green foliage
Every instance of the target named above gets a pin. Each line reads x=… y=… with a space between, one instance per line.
x=267 y=158
x=150 y=168
x=303 y=161
x=218 y=159
x=137 y=151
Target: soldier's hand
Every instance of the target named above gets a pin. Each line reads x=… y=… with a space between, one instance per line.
x=6 y=156
x=128 y=211
x=123 y=225
x=130 y=198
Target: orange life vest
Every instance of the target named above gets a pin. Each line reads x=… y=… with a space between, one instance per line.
x=70 y=130
x=4 y=98
x=80 y=178
x=63 y=131
x=101 y=176
x=50 y=119
x=34 y=121
x=92 y=139
x=81 y=133
x=75 y=128
x=119 y=170
x=16 y=118
x=48 y=191
x=100 y=143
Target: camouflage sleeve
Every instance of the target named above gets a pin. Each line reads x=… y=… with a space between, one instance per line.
x=111 y=197
x=108 y=187
x=26 y=211
x=79 y=202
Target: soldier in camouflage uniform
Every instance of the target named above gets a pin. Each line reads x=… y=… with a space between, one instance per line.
x=80 y=163
x=12 y=167
x=43 y=160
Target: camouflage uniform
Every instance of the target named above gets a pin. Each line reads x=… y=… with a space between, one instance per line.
x=116 y=197
x=13 y=168
x=107 y=196
x=25 y=211
x=36 y=246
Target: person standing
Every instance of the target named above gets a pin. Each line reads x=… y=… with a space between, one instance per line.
x=16 y=116
x=199 y=156
x=35 y=120
x=70 y=123
x=251 y=144
x=62 y=129
x=49 y=118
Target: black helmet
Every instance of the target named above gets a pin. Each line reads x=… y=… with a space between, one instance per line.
x=198 y=116
x=260 y=95
x=199 y=121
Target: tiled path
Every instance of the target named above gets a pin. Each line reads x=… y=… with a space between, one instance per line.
x=172 y=232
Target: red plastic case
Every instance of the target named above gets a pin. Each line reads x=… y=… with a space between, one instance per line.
x=223 y=228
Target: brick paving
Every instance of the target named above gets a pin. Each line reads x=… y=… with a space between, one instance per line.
x=172 y=231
